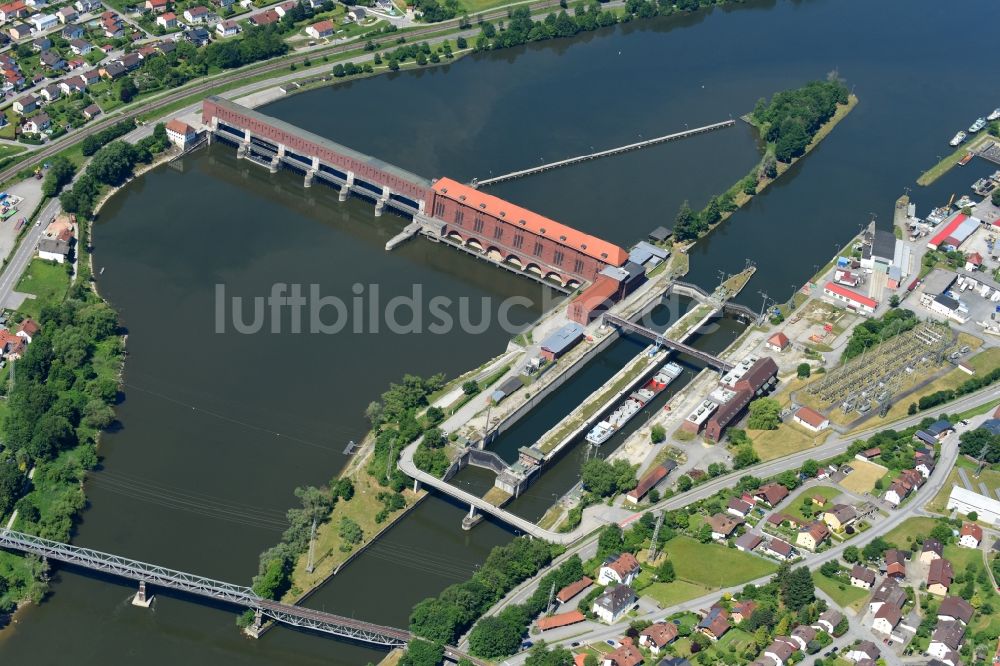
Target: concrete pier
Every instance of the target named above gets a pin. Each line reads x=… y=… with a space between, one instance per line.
x=141 y=599
x=411 y=230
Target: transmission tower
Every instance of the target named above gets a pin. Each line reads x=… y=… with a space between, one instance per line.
x=312 y=547
x=388 y=463
x=552 y=596
x=982 y=459
x=656 y=536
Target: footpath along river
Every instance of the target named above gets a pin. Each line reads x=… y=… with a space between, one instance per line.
x=217 y=429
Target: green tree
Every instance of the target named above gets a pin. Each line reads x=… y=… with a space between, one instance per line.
x=852 y=554
x=470 y=387
x=803 y=370
x=422 y=653
x=745 y=456
x=684 y=483
x=495 y=636
x=810 y=467
x=657 y=434
x=127 y=90
x=797 y=588
x=665 y=572
x=350 y=532
x=765 y=414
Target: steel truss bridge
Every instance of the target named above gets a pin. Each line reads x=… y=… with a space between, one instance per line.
x=153 y=574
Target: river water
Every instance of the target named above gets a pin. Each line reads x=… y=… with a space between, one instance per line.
x=217 y=429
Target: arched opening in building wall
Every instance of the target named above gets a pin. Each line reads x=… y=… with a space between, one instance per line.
x=455 y=237
x=532 y=268
x=514 y=260
x=474 y=244
x=494 y=254
x=555 y=277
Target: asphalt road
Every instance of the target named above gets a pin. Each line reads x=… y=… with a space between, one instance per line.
x=25 y=251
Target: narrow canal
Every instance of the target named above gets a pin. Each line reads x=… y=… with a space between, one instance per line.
x=217 y=429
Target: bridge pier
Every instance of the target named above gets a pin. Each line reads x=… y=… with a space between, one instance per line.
x=416 y=485
x=344 y=191
x=141 y=599
x=242 y=151
x=379 y=207
x=309 y=178
x=253 y=631
x=274 y=164
x=471 y=520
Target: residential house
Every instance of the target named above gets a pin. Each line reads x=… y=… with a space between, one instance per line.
x=970 y=536
x=840 y=516
x=955 y=609
x=67 y=14
x=861 y=651
x=11 y=346
x=224 y=3
x=91 y=111
x=84 y=6
x=53 y=249
x=828 y=620
x=321 y=30
x=25 y=105
x=813 y=535
x=167 y=20
x=810 y=419
x=771 y=494
x=37 y=123
x=196 y=14
x=621 y=569
x=931 y=550
x=802 y=634
x=91 y=77
x=614 y=603
x=28 y=329
x=41 y=44
x=285 y=7
x=947 y=637
x=227 y=28
x=266 y=17
x=12 y=79
x=131 y=61
x=777 y=342
x=748 y=541
x=940 y=429
x=939 y=577
x=780 y=549
x=73 y=32
x=888 y=592
x=53 y=60
x=742 y=610
x=723 y=526
x=862 y=577
x=197 y=36
x=869 y=454
x=43 y=22
x=112 y=70
x=80 y=46
x=649 y=481
x=895 y=563
x=13 y=10
x=886 y=619
x=924 y=464
x=715 y=624
x=573 y=589
x=779 y=651
x=157 y=6
x=739 y=508
x=657 y=636
x=357 y=14
x=72 y=84
x=19 y=31
x=627 y=654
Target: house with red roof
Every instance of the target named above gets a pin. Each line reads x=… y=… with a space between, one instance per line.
x=852 y=299
x=320 y=30
x=973 y=262
x=777 y=342
x=970 y=536
x=811 y=419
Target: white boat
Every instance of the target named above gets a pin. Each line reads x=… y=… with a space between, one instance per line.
x=623 y=414
x=994 y=115
x=957 y=139
x=978 y=125
x=600 y=433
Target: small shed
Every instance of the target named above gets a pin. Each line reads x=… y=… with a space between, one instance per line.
x=660 y=234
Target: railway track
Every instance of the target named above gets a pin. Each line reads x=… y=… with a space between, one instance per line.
x=266 y=67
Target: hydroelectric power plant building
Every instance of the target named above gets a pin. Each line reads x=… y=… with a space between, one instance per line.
x=444 y=210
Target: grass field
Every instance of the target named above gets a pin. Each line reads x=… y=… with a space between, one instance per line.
x=844 y=595
x=903 y=535
x=671 y=594
x=960 y=559
x=48 y=281
x=789 y=438
x=862 y=479
x=714 y=566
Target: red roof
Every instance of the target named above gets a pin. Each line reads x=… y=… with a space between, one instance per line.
x=850 y=295
x=779 y=340
x=323 y=26
x=560 y=620
x=179 y=126
x=975 y=258
x=574 y=589
x=973 y=530
x=946 y=231
x=537 y=224
x=810 y=416
x=29 y=327
x=265 y=17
